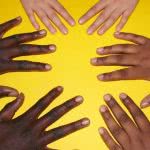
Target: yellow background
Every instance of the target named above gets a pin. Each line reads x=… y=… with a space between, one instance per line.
x=71 y=69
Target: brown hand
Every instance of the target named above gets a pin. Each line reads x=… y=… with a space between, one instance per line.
x=29 y=130
x=12 y=47
x=130 y=135
x=136 y=57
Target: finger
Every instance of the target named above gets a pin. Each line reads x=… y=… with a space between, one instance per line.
x=57 y=113
x=25 y=50
x=56 y=20
x=21 y=66
x=115 y=60
x=118 y=49
x=100 y=20
x=110 y=21
x=123 y=21
x=8 y=25
x=21 y=38
x=131 y=37
x=108 y=140
x=8 y=91
x=132 y=73
x=123 y=119
x=63 y=12
x=138 y=116
x=145 y=102
x=43 y=103
x=98 y=7
x=118 y=133
x=44 y=18
x=62 y=131
x=8 y=112
x=32 y=18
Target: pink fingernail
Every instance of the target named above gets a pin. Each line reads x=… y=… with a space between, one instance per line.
x=101 y=77
x=94 y=61
x=123 y=96
x=52 y=48
x=79 y=99
x=107 y=97
x=42 y=32
x=103 y=108
x=144 y=104
x=85 y=122
x=48 y=67
x=100 y=50
x=101 y=130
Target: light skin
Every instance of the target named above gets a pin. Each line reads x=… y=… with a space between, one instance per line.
x=135 y=57
x=48 y=12
x=29 y=130
x=108 y=11
x=129 y=134
x=13 y=46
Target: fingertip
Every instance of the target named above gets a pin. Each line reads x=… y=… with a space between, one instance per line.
x=85 y=122
x=81 y=21
x=103 y=109
x=101 y=130
x=144 y=105
x=93 y=61
x=60 y=88
x=48 y=67
x=79 y=99
x=52 y=48
x=42 y=32
x=101 y=77
x=13 y=93
x=100 y=50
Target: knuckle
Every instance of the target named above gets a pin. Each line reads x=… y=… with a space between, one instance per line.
x=117 y=131
x=123 y=118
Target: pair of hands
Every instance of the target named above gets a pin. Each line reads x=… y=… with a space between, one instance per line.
x=29 y=130
x=109 y=11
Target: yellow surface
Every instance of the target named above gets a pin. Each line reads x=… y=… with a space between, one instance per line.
x=71 y=69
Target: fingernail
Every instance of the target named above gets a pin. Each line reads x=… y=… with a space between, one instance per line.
x=94 y=61
x=89 y=31
x=13 y=93
x=101 y=77
x=37 y=27
x=52 y=48
x=100 y=50
x=144 y=104
x=48 y=67
x=86 y=122
x=101 y=32
x=101 y=130
x=107 y=97
x=19 y=18
x=59 y=88
x=117 y=33
x=65 y=31
x=81 y=21
x=72 y=23
x=42 y=32
x=79 y=99
x=103 y=108
x=123 y=96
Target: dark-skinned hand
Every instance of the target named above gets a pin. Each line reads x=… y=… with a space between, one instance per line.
x=12 y=47
x=27 y=132
x=136 y=57
x=130 y=134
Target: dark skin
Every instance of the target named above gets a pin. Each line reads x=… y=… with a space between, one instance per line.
x=135 y=56
x=29 y=130
x=130 y=135
x=13 y=46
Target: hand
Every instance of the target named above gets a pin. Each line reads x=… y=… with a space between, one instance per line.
x=12 y=47
x=29 y=130
x=134 y=56
x=48 y=11
x=130 y=135
x=109 y=11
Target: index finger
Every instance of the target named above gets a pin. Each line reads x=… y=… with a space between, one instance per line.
x=92 y=12
x=21 y=38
